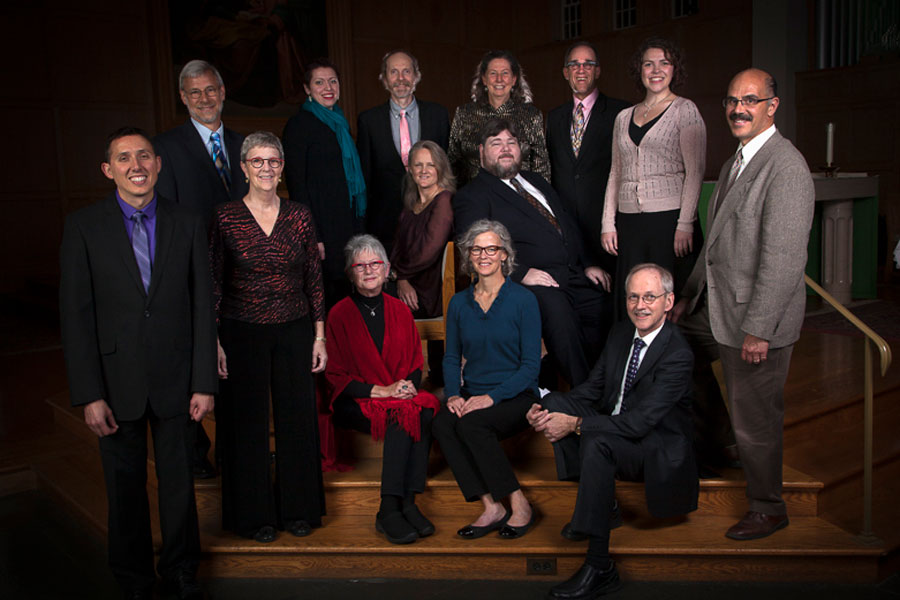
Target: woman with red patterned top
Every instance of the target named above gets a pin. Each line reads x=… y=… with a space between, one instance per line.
x=268 y=289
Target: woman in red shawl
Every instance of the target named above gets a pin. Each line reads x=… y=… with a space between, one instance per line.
x=373 y=373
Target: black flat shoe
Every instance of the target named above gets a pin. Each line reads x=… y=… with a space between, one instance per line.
x=472 y=532
x=265 y=534
x=511 y=532
x=420 y=522
x=395 y=528
x=587 y=582
x=298 y=528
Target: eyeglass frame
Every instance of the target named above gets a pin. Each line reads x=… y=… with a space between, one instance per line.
x=588 y=64
x=748 y=101
x=363 y=267
x=479 y=250
x=250 y=161
x=634 y=298
x=196 y=93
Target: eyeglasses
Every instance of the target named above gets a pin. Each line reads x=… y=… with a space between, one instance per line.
x=588 y=64
x=748 y=101
x=195 y=93
x=489 y=250
x=257 y=163
x=648 y=298
x=363 y=267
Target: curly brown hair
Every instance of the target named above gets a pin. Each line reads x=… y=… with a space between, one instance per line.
x=673 y=53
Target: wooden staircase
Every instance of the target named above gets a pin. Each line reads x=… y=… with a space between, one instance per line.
x=822 y=490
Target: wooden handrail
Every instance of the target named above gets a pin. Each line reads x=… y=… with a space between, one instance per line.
x=884 y=351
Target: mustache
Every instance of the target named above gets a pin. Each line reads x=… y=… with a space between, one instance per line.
x=740 y=116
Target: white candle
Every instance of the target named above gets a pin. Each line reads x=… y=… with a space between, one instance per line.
x=829 y=144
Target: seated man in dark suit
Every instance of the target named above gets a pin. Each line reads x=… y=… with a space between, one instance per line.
x=550 y=253
x=385 y=135
x=631 y=419
x=139 y=338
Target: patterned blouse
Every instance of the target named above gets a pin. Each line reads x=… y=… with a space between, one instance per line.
x=466 y=128
x=265 y=279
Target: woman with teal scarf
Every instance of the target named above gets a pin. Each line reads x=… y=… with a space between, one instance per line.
x=323 y=172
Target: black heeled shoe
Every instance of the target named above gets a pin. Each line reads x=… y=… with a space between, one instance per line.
x=511 y=532
x=472 y=532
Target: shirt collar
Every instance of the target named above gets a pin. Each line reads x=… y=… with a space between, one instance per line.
x=410 y=109
x=749 y=149
x=648 y=339
x=128 y=210
x=205 y=131
x=587 y=102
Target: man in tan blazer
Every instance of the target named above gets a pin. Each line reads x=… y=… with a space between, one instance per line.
x=746 y=293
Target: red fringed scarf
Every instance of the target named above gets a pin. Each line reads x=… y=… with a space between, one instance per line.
x=352 y=355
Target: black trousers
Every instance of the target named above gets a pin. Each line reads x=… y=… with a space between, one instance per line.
x=124 y=458
x=404 y=462
x=471 y=445
x=574 y=323
x=266 y=360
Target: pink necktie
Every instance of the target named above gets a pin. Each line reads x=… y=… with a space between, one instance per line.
x=405 y=143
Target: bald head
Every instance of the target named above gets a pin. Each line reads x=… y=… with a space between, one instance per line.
x=746 y=121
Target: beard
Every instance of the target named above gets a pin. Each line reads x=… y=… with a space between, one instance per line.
x=503 y=171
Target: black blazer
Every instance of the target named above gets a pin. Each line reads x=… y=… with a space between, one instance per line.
x=538 y=245
x=581 y=182
x=658 y=413
x=188 y=175
x=314 y=171
x=382 y=166
x=121 y=344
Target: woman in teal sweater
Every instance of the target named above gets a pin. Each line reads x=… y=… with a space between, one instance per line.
x=496 y=326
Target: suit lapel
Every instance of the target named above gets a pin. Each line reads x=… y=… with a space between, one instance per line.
x=165 y=229
x=623 y=343
x=654 y=352
x=233 y=148
x=593 y=124
x=521 y=204
x=385 y=133
x=567 y=131
x=196 y=147
x=114 y=228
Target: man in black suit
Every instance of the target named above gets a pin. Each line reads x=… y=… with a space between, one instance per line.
x=384 y=135
x=631 y=419
x=579 y=142
x=201 y=167
x=194 y=172
x=139 y=338
x=552 y=263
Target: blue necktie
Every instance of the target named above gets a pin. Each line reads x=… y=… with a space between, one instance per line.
x=632 y=367
x=219 y=160
x=141 y=244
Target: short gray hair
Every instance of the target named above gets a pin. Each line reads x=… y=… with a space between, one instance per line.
x=665 y=277
x=467 y=240
x=261 y=139
x=415 y=65
x=359 y=244
x=196 y=68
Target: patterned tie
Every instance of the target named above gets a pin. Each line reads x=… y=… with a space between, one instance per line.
x=220 y=161
x=141 y=245
x=577 y=132
x=732 y=176
x=536 y=204
x=632 y=367
x=405 y=142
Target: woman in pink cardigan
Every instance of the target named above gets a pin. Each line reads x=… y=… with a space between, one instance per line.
x=659 y=155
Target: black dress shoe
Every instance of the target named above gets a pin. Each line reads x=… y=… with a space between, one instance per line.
x=204 y=470
x=186 y=587
x=511 y=532
x=756 y=525
x=587 y=582
x=420 y=522
x=395 y=528
x=265 y=534
x=298 y=528
x=471 y=532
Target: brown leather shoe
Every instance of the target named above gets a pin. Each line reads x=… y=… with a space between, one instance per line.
x=756 y=525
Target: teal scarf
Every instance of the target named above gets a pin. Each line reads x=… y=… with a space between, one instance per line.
x=336 y=121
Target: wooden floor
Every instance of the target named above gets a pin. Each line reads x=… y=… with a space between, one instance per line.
x=47 y=445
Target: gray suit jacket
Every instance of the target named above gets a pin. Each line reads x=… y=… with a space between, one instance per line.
x=754 y=255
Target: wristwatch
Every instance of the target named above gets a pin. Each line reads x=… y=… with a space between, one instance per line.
x=578 y=426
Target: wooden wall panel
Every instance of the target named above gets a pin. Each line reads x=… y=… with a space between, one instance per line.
x=30 y=161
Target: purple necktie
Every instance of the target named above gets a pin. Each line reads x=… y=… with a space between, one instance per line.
x=141 y=245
